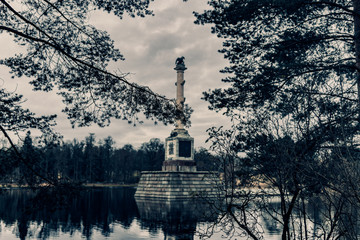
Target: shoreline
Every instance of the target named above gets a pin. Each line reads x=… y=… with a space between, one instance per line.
x=86 y=185
x=109 y=185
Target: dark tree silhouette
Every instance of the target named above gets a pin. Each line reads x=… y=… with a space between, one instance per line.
x=294 y=101
x=153 y=154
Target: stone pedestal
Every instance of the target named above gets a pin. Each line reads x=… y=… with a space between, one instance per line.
x=177 y=185
x=179 y=152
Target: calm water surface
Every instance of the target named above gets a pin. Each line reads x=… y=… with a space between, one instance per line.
x=101 y=213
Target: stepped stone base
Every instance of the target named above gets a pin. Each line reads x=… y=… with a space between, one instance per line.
x=177 y=185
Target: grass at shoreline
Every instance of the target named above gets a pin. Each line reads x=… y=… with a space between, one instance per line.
x=109 y=185
x=100 y=185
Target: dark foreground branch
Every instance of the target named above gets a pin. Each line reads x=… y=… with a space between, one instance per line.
x=242 y=226
x=18 y=154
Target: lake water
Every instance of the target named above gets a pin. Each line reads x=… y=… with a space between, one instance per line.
x=102 y=213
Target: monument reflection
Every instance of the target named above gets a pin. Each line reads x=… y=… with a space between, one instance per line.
x=177 y=218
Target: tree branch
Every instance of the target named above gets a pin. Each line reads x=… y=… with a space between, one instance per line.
x=242 y=226
x=53 y=183
x=58 y=48
x=333 y=4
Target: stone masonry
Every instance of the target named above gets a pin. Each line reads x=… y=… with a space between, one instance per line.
x=177 y=185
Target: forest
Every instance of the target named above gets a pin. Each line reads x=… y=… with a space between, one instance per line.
x=87 y=161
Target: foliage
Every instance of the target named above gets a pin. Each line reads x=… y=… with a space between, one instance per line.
x=295 y=58
x=14 y=118
x=84 y=161
x=64 y=52
x=294 y=101
x=153 y=154
x=205 y=161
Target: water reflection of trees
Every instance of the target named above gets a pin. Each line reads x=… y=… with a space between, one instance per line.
x=313 y=218
x=97 y=208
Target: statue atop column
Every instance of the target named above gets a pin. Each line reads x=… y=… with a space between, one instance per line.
x=180 y=64
x=180 y=99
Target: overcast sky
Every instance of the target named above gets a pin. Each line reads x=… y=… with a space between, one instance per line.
x=150 y=46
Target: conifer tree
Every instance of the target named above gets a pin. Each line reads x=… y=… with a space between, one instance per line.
x=294 y=100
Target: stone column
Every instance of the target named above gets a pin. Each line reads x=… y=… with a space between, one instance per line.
x=179 y=147
x=180 y=99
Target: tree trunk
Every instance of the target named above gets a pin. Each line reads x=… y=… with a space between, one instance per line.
x=287 y=215
x=356 y=5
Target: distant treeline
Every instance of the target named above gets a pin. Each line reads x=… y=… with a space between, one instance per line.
x=87 y=161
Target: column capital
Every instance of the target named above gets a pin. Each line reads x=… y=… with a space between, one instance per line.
x=180 y=68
